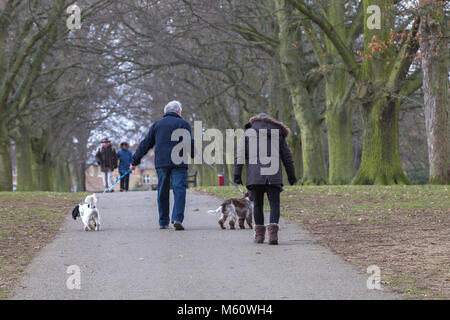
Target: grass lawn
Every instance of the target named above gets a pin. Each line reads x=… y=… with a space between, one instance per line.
x=405 y=230
x=28 y=221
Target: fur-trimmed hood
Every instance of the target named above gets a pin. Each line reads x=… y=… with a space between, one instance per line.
x=266 y=118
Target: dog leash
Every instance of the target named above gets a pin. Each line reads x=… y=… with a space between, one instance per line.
x=225 y=177
x=111 y=186
x=209 y=164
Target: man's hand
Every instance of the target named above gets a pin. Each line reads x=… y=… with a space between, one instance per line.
x=132 y=167
x=237 y=179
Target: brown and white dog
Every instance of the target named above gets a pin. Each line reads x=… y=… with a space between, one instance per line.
x=237 y=209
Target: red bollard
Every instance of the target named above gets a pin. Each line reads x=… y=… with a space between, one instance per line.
x=220 y=180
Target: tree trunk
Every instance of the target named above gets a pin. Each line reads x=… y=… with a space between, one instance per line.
x=36 y=163
x=199 y=169
x=208 y=176
x=296 y=148
x=212 y=177
x=338 y=113
x=314 y=166
x=434 y=47
x=40 y=180
x=384 y=72
x=43 y=172
x=62 y=181
x=75 y=176
x=287 y=116
x=81 y=177
x=340 y=151
x=24 y=160
x=310 y=123
x=5 y=160
x=47 y=182
x=380 y=162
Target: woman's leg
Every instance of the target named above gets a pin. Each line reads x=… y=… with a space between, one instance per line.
x=258 y=213
x=258 y=204
x=273 y=193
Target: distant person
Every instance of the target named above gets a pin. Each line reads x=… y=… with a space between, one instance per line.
x=106 y=157
x=125 y=157
x=272 y=184
x=169 y=173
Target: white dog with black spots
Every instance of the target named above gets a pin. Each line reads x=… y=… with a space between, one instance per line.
x=89 y=214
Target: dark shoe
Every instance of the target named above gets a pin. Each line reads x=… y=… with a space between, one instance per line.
x=260 y=233
x=164 y=227
x=178 y=226
x=121 y=190
x=272 y=230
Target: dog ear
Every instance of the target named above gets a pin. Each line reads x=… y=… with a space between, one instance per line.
x=76 y=212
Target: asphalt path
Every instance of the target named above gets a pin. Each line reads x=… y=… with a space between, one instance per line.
x=131 y=258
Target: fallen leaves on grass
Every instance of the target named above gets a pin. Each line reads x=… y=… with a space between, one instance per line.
x=405 y=230
x=28 y=221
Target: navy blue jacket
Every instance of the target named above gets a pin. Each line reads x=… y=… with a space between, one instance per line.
x=125 y=157
x=159 y=137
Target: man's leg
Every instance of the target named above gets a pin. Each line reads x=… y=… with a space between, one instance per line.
x=110 y=180
x=105 y=179
x=127 y=181
x=179 y=185
x=163 y=195
x=122 y=182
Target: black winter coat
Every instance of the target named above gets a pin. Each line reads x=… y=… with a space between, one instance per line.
x=283 y=156
x=107 y=158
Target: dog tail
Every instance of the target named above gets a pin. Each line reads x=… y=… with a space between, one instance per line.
x=76 y=212
x=216 y=212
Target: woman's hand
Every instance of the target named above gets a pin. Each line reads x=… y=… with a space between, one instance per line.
x=292 y=180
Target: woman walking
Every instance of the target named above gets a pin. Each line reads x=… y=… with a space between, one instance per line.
x=260 y=180
x=125 y=157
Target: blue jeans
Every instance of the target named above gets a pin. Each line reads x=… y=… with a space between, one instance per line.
x=177 y=178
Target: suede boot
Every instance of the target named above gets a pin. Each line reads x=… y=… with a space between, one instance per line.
x=260 y=233
x=272 y=230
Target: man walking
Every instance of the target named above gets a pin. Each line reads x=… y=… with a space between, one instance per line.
x=169 y=173
x=125 y=156
x=106 y=157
